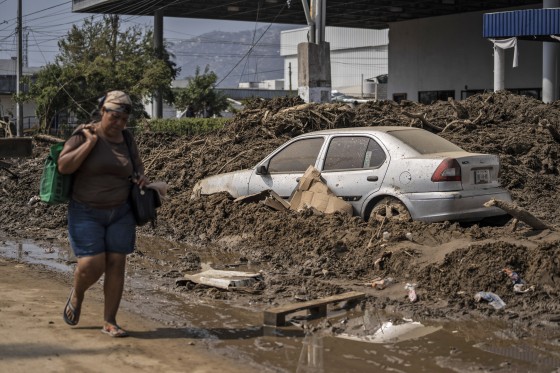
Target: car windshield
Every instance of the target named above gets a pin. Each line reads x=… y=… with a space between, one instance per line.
x=425 y=142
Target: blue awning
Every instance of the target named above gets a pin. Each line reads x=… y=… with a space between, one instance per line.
x=530 y=24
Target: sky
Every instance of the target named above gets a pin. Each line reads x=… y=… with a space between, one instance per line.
x=46 y=21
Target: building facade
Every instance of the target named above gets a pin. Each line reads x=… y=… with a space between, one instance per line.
x=356 y=56
x=8 y=85
x=440 y=57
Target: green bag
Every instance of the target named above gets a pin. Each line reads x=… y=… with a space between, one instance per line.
x=55 y=187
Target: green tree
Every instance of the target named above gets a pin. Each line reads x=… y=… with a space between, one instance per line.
x=201 y=94
x=96 y=58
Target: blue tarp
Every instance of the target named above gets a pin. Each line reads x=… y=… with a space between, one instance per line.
x=530 y=24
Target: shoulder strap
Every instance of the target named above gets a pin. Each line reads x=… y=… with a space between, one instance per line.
x=128 y=140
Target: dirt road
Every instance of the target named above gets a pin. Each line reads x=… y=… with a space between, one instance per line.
x=304 y=255
x=35 y=338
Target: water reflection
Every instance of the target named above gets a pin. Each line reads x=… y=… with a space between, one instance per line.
x=311 y=356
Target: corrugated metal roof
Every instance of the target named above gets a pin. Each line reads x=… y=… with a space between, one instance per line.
x=530 y=24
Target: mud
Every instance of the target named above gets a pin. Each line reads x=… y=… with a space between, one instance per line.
x=304 y=255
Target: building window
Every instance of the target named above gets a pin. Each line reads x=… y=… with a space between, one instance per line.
x=530 y=92
x=398 y=97
x=428 y=97
x=471 y=92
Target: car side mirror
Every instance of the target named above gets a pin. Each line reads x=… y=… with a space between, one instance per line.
x=261 y=170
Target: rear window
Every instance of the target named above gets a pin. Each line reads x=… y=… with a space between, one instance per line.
x=425 y=142
x=353 y=152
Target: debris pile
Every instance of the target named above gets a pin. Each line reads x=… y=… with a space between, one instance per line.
x=308 y=255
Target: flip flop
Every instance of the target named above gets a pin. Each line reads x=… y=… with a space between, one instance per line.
x=114 y=331
x=74 y=312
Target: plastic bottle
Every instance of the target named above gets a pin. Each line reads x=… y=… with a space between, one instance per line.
x=412 y=296
x=493 y=299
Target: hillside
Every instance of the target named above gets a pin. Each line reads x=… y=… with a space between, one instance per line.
x=225 y=53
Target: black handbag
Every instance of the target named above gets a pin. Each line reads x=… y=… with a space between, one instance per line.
x=143 y=201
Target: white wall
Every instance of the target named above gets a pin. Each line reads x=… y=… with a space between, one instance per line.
x=8 y=108
x=356 y=54
x=449 y=53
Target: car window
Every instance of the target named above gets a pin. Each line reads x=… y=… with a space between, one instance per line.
x=425 y=142
x=353 y=152
x=297 y=156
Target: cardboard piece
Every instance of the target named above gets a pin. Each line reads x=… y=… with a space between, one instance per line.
x=228 y=280
x=268 y=197
x=311 y=191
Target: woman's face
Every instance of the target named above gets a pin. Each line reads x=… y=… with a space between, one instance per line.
x=113 y=121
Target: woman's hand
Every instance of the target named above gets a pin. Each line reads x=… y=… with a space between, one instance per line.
x=89 y=132
x=142 y=181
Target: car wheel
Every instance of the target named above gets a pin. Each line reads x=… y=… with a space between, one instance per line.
x=389 y=209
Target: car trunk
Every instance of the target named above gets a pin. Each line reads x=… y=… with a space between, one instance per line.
x=479 y=171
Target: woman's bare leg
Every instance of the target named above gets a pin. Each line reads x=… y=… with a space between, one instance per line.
x=87 y=272
x=113 y=285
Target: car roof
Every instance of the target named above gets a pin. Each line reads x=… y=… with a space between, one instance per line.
x=377 y=129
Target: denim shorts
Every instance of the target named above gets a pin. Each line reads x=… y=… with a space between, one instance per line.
x=94 y=231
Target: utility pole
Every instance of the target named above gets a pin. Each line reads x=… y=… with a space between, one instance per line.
x=19 y=105
x=157 y=98
x=290 y=74
x=362 y=85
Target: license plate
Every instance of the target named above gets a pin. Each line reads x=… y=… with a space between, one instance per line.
x=481 y=176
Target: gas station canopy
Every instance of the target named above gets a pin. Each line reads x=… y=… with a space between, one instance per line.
x=372 y=14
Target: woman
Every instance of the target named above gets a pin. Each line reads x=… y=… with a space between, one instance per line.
x=101 y=226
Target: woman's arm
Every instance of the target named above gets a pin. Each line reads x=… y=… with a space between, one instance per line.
x=73 y=154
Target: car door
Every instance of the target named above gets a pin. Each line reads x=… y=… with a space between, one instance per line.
x=286 y=165
x=354 y=167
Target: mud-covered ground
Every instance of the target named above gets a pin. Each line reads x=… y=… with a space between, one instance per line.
x=304 y=255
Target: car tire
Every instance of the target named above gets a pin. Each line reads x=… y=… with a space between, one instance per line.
x=389 y=209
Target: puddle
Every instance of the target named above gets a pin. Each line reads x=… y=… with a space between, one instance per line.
x=390 y=332
x=56 y=258
x=354 y=341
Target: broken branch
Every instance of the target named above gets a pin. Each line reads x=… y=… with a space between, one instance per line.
x=553 y=132
x=422 y=118
x=518 y=213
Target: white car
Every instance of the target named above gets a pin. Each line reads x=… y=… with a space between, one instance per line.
x=383 y=172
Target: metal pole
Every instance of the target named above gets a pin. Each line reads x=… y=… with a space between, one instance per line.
x=320 y=20
x=362 y=85
x=309 y=19
x=290 y=74
x=19 y=105
x=158 y=45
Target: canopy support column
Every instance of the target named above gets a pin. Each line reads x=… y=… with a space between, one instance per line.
x=499 y=68
x=550 y=60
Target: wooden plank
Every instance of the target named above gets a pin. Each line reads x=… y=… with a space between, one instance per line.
x=318 y=307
